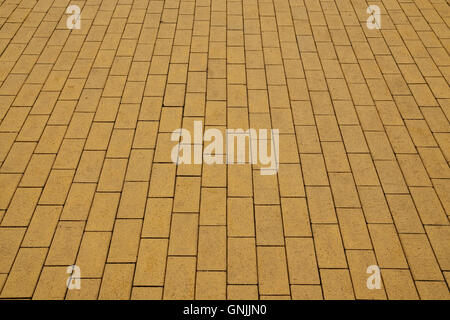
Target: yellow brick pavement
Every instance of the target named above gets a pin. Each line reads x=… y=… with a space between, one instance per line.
x=86 y=176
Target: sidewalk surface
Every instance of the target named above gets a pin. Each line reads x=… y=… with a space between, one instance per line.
x=86 y=176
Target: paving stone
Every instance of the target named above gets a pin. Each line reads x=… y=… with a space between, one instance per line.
x=437 y=237
x=42 y=226
x=420 y=257
x=78 y=201
x=336 y=284
x=306 y=292
x=57 y=187
x=302 y=261
x=24 y=274
x=65 y=243
x=240 y=292
x=387 y=246
x=146 y=293
x=353 y=229
x=183 y=234
x=436 y=290
x=125 y=241
x=151 y=263
x=296 y=221
x=117 y=282
x=180 y=278
x=211 y=286
x=404 y=214
x=399 y=284
x=212 y=248
x=11 y=239
x=272 y=270
x=103 y=212
x=329 y=248
x=157 y=218
x=38 y=170
x=21 y=207
x=241 y=262
x=187 y=194
x=91 y=257
x=240 y=217
x=428 y=205
x=51 y=284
